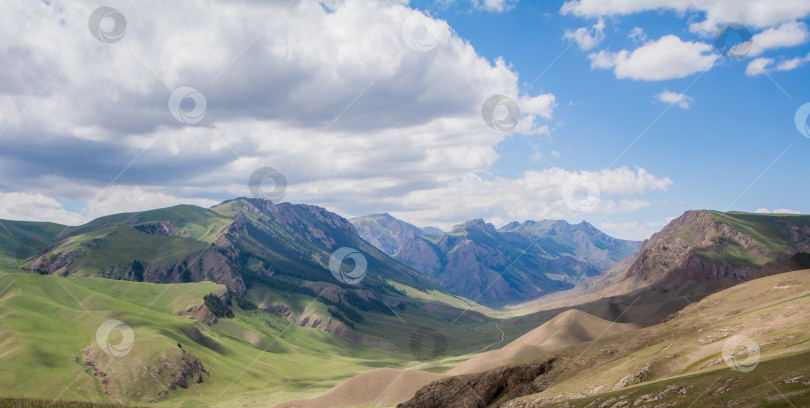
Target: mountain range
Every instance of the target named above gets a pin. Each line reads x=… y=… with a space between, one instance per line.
x=244 y=296
x=706 y=277
x=517 y=262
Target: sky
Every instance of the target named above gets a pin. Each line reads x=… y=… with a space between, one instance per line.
x=623 y=113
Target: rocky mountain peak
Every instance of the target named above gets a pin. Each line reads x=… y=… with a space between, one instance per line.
x=477 y=224
x=704 y=245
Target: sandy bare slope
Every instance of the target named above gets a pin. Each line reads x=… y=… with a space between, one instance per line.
x=390 y=386
x=567 y=328
x=386 y=386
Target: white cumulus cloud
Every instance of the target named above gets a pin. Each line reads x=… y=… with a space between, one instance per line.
x=637 y=35
x=668 y=57
x=675 y=98
x=788 y=34
x=587 y=37
x=633 y=229
x=534 y=195
x=494 y=5
x=762 y=65
x=338 y=100
x=755 y=13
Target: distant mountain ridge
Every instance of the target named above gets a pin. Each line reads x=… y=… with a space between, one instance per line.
x=517 y=262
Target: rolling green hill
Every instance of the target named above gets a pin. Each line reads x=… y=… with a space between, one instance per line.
x=251 y=251
x=48 y=330
x=276 y=254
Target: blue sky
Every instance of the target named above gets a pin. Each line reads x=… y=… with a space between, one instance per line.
x=628 y=113
x=735 y=148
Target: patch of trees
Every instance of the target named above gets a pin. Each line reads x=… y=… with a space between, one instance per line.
x=185 y=274
x=244 y=303
x=367 y=305
x=217 y=306
x=337 y=314
x=137 y=270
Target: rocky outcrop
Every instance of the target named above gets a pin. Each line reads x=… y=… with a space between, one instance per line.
x=634 y=378
x=54 y=264
x=326 y=324
x=180 y=370
x=171 y=369
x=163 y=228
x=488 y=389
x=210 y=265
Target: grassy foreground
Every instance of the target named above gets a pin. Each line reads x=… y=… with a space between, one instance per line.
x=38 y=403
x=253 y=359
x=48 y=324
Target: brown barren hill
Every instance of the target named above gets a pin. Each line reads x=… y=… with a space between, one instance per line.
x=383 y=387
x=566 y=329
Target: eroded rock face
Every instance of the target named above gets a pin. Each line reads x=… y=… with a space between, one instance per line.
x=301 y=228
x=488 y=389
x=683 y=251
x=328 y=325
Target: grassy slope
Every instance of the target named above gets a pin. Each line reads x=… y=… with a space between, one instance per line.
x=774 y=385
x=766 y=229
x=45 y=322
x=773 y=311
x=300 y=362
x=21 y=239
x=120 y=245
x=187 y=220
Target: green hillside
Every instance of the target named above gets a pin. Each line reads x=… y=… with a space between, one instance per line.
x=253 y=359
